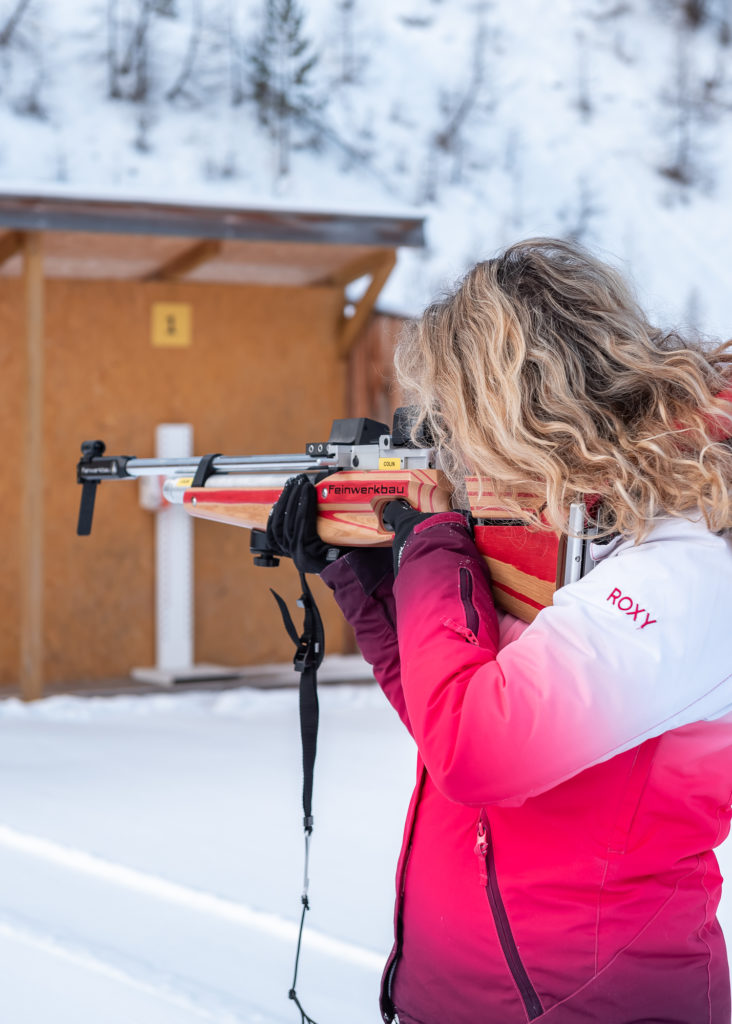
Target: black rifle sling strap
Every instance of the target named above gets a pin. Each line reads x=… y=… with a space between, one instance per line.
x=309 y=651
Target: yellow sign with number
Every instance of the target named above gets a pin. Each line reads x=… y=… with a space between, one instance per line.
x=171 y=325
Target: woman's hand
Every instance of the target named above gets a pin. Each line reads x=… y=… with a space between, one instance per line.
x=292 y=529
x=401 y=518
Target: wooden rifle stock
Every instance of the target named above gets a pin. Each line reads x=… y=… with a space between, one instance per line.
x=526 y=565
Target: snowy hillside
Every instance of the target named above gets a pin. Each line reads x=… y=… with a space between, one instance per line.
x=606 y=120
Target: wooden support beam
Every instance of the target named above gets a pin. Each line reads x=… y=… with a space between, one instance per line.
x=368 y=263
x=350 y=326
x=32 y=519
x=186 y=262
x=11 y=242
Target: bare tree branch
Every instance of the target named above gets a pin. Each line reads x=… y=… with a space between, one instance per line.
x=447 y=137
x=112 y=65
x=137 y=42
x=12 y=23
x=179 y=86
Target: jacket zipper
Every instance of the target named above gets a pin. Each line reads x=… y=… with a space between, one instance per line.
x=484 y=850
x=466 y=596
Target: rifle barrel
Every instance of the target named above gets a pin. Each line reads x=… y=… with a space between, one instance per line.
x=225 y=464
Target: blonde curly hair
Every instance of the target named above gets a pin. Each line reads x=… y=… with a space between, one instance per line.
x=541 y=373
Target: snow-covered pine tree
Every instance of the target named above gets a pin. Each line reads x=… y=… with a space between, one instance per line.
x=281 y=62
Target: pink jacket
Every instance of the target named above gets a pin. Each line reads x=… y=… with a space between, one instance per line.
x=574 y=777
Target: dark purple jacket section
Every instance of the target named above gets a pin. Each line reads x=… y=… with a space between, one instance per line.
x=362 y=582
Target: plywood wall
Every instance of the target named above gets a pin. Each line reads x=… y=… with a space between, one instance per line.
x=12 y=344
x=372 y=388
x=260 y=376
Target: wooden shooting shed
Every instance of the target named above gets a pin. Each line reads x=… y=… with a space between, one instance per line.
x=115 y=317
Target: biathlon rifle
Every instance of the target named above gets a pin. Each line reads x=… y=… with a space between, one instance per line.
x=359 y=469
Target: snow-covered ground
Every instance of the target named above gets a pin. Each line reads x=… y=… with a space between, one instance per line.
x=151 y=857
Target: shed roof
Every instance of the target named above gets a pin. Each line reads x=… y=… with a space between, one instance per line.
x=132 y=239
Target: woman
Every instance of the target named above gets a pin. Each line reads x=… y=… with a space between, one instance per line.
x=574 y=774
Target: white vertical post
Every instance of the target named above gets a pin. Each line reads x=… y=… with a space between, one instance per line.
x=173 y=575
x=174 y=563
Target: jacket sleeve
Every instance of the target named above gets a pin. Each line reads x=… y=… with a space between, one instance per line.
x=614 y=661
x=362 y=583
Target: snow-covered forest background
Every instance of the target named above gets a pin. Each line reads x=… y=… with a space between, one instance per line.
x=609 y=121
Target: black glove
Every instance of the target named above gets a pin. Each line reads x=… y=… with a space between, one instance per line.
x=400 y=517
x=291 y=527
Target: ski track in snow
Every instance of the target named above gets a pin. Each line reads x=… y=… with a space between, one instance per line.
x=160 y=987
x=156 y=951
x=193 y=899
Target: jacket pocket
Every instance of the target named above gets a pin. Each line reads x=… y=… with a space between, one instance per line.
x=632 y=792
x=469 y=630
x=472 y=620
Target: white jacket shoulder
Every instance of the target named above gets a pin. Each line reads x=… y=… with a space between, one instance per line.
x=637 y=647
